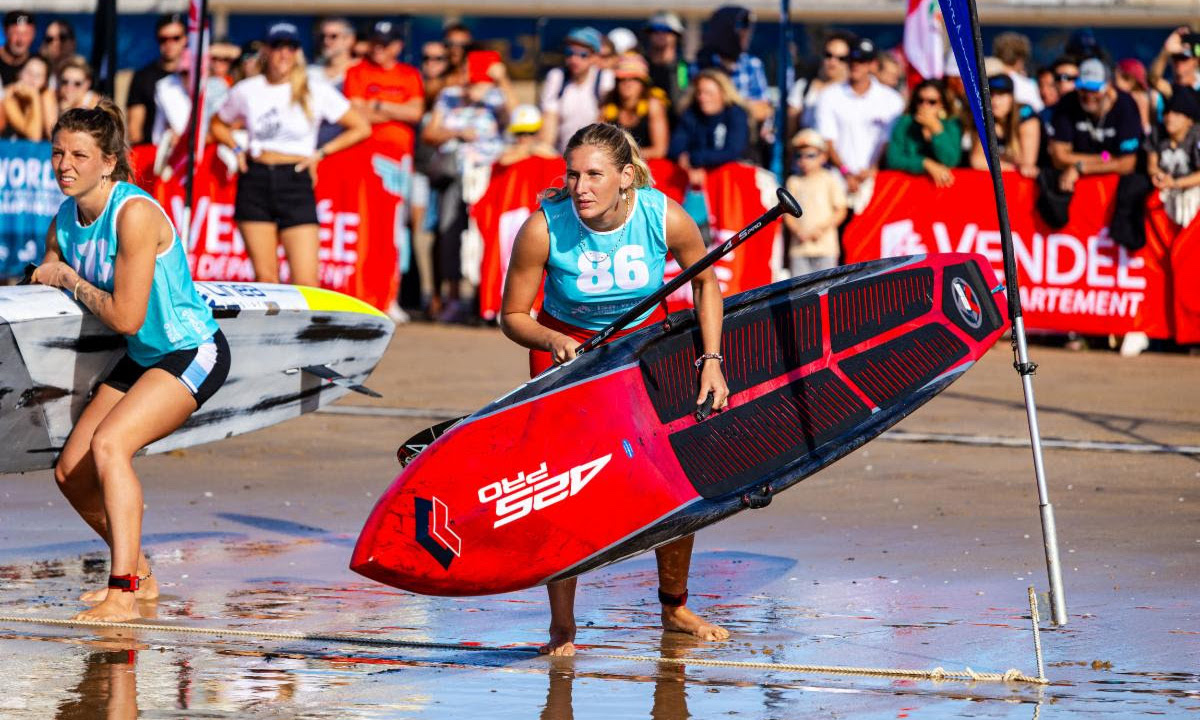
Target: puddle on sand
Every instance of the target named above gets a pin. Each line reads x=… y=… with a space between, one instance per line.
x=1100 y=664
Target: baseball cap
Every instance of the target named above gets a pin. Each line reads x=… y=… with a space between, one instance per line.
x=589 y=37
x=385 y=31
x=283 y=32
x=1184 y=102
x=632 y=65
x=478 y=64
x=1093 y=75
x=809 y=138
x=1134 y=69
x=1000 y=83
x=862 y=51
x=17 y=17
x=665 y=21
x=525 y=119
x=623 y=40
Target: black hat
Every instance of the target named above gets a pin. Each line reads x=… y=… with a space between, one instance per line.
x=863 y=50
x=1185 y=102
x=385 y=31
x=17 y=17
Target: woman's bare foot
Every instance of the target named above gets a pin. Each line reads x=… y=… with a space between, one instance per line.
x=117 y=607
x=147 y=590
x=680 y=619
x=562 y=643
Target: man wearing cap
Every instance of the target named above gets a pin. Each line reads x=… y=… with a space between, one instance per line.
x=388 y=92
x=669 y=72
x=171 y=32
x=571 y=94
x=18 y=43
x=1097 y=130
x=856 y=118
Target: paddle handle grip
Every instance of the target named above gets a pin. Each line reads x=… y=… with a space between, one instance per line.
x=704 y=409
x=787 y=204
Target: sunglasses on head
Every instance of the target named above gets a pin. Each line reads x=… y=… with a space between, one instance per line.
x=433 y=58
x=164 y=39
x=835 y=56
x=572 y=52
x=1066 y=77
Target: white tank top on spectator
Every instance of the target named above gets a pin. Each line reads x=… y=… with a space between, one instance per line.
x=277 y=124
x=858 y=125
x=576 y=105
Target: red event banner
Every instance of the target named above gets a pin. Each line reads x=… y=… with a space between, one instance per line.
x=360 y=211
x=736 y=193
x=1074 y=278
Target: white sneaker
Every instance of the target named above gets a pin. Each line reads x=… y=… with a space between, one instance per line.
x=397 y=314
x=1134 y=344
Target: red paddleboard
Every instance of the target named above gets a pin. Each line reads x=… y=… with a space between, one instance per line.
x=602 y=458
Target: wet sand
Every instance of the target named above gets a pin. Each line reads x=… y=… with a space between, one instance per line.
x=903 y=554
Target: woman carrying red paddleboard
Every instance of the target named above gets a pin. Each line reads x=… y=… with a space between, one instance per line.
x=602 y=243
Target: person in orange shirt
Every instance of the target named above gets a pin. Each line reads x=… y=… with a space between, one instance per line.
x=390 y=93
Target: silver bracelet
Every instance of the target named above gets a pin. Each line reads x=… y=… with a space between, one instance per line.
x=709 y=356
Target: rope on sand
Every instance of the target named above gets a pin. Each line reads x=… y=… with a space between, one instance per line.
x=967 y=674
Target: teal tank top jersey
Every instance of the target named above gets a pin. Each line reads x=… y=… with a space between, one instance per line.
x=176 y=317
x=592 y=277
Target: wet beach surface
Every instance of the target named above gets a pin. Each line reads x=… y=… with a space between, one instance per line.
x=901 y=555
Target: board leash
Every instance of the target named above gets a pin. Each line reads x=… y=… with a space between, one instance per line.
x=936 y=674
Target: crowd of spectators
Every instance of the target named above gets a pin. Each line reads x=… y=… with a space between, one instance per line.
x=856 y=111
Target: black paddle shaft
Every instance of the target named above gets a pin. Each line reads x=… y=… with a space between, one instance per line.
x=787 y=204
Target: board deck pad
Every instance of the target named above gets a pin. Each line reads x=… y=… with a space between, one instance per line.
x=53 y=353
x=602 y=458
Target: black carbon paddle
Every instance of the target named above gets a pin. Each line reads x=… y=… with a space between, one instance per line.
x=787 y=204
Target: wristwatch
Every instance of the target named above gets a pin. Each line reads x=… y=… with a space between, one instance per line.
x=1079 y=166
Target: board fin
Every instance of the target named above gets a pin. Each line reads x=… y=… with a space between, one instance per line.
x=327 y=373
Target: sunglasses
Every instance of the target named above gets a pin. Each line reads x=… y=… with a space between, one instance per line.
x=1180 y=57
x=433 y=58
x=835 y=56
x=57 y=38
x=809 y=154
x=224 y=58
x=332 y=36
x=1064 y=77
x=929 y=101
x=571 y=52
x=164 y=39
x=72 y=83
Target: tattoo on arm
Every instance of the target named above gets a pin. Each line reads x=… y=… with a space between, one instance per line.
x=93 y=298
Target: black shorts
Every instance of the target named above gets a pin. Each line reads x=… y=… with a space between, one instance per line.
x=277 y=194
x=202 y=370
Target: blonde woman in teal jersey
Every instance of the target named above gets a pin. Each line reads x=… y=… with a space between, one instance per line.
x=601 y=243
x=113 y=248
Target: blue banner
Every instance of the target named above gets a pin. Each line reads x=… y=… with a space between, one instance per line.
x=962 y=32
x=29 y=198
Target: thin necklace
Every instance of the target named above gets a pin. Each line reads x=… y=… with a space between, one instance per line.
x=595 y=256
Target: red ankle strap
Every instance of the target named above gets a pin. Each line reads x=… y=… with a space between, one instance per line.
x=124 y=583
x=672 y=600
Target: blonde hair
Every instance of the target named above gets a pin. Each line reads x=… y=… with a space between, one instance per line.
x=728 y=92
x=298 y=79
x=106 y=124
x=620 y=147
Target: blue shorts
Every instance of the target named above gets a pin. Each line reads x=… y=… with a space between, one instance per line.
x=202 y=370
